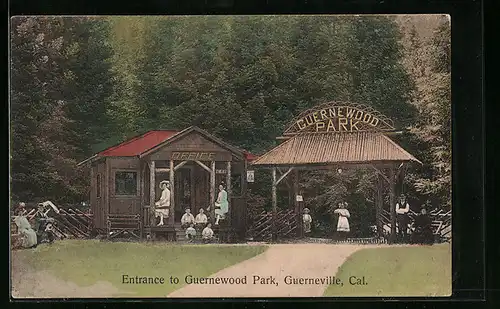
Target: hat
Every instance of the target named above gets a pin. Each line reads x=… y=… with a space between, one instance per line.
x=164 y=182
x=306 y=209
x=22 y=204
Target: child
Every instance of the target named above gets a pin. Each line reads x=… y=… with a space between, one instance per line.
x=190 y=232
x=343 y=222
x=207 y=234
x=201 y=219
x=307 y=219
x=187 y=218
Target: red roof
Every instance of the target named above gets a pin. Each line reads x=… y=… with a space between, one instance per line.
x=250 y=157
x=137 y=145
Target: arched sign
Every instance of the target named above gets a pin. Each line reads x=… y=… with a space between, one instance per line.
x=339 y=117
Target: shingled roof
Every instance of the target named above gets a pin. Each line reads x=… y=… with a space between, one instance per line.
x=150 y=141
x=331 y=148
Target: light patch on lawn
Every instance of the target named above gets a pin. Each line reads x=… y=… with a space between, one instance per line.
x=87 y=262
x=397 y=271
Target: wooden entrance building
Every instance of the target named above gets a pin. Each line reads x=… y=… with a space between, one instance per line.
x=125 y=183
x=335 y=135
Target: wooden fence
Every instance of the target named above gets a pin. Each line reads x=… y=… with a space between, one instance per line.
x=441 y=222
x=286 y=225
x=69 y=222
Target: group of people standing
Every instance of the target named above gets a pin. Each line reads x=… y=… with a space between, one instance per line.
x=343 y=214
x=421 y=228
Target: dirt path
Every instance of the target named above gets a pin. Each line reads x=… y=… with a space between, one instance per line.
x=27 y=283
x=279 y=261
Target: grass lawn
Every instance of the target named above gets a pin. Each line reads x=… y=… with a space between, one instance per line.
x=397 y=271
x=85 y=262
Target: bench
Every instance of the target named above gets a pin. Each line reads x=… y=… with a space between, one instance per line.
x=121 y=225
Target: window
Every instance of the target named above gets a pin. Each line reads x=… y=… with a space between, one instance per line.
x=126 y=183
x=98 y=185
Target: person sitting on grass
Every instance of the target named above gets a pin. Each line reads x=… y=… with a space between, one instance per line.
x=307 y=219
x=187 y=219
x=207 y=235
x=201 y=219
x=190 y=232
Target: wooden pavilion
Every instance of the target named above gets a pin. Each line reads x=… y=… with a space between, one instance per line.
x=125 y=182
x=335 y=135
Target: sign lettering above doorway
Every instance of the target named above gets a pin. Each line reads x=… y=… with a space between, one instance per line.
x=193 y=156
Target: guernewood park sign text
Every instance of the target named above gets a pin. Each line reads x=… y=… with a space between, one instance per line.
x=335 y=117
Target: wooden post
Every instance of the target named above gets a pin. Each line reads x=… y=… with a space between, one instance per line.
x=275 y=204
x=171 y=220
x=244 y=179
x=244 y=211
x=379 y=200
x=192 y=195
x=228 y=190
x=152 y=197
x=298 y=211
x=392 y=184
x=143 y=210
x=212 y=192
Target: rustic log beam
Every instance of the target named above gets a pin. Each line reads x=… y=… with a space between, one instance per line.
x=212 y=191
x=381 y=173
x=142 y=193
x=298 y=211
x=162 y=170
x=204 y=166
x=379 y=200
x=284 y=175
x=172 y=193
x=244 y=179
x=393 y=204
x=152 y=195
x=192 y=195
x=274 y=204
x=228 y=189
x=180 y=165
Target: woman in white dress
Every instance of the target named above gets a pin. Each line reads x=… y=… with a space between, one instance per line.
x=163 y=205
x=221 y=205
x=343 y=221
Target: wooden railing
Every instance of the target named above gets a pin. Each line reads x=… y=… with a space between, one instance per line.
x=441 y=222
x=124 y=225
x=70 y=222
x=286 y=225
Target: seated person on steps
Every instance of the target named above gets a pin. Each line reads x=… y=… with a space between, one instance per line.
x=163 y=205
x=201 y=219
x=207 y=235
x=187 y=218
x=221 y=205
x=190 y=232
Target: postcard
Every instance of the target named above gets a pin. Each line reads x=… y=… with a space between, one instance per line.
x=230 y=156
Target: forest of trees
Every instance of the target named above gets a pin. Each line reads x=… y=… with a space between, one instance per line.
x=80 y=84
